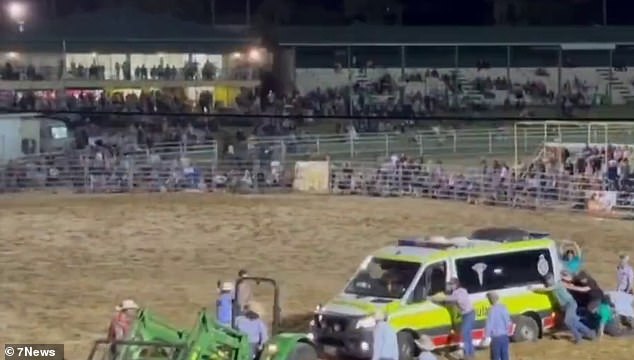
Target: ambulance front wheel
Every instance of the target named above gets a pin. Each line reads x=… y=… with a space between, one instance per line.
x=406 y=346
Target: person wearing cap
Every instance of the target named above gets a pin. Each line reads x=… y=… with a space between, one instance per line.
x=460 y=296
x=224 y=303
x=585 y=289
x=245 y=294
x=625 y=275
x=568 y=305
x=384 y=340
x=251 y=324
x=497 y=328
x=121 y=323
x=426 y=346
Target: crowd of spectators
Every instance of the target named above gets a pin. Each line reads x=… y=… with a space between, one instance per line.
x=123 y=71
x=538 y=185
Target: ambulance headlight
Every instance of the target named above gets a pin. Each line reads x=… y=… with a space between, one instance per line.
x=366 y=322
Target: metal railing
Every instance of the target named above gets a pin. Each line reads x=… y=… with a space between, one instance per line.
x=466 y=143
x=562 y=192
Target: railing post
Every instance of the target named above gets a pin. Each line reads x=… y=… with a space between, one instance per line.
x=490 y=142
x=455 y=142
x=387 y=144
x=419 y=139
x=351 y=139
x=87 y=179
x=318 y=145
x=282 y=158
x=131 y=174
x=525 y=141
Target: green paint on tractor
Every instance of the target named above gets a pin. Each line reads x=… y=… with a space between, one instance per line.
x=153 y=338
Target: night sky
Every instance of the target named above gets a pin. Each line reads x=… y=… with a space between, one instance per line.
x=341 y=12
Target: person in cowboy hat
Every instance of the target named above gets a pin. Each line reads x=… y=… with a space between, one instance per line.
x=625 y=275
x=121 y=322
x=426 y=346
x=251 y=324
x=385 y=342
x=224 y=303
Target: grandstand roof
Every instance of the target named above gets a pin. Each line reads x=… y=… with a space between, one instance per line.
x=369 y=35
x=124 y=29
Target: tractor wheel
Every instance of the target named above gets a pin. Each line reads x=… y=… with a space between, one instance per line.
x=303 y=351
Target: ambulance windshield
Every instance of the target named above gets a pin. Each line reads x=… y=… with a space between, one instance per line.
x=385 y=278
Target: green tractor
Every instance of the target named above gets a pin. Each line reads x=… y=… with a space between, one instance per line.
x=151 y=338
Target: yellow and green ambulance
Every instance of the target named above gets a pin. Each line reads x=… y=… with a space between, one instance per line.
x=399 y=280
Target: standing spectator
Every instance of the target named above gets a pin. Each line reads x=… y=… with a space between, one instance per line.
x=245 y=294
x=385 y=343
x=460 y=297
x=498 y=326
x=252 y=325
x=224 y=303
x=121 y=323
x=426 y=347
x=569 y=306
x=625 y=275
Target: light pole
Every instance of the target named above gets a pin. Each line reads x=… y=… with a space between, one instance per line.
x=17 y=12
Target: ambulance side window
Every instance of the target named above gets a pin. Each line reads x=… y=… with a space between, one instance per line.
x=433 y=281
x=503 y=271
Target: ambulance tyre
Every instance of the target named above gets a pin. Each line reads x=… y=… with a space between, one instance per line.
x=526 y=329
x=406 y=346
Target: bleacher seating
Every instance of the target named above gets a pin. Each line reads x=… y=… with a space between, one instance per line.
x=535 y=86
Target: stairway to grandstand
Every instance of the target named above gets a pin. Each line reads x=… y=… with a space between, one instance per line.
x=469 y=91
x=621 y=91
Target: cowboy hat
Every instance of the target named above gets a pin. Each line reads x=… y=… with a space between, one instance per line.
x=127 y=304
x=226 y=286
x=425 y=343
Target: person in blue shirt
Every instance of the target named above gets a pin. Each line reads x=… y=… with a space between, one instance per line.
x=224 y=304
x=498 y=326
x=385 y=343
x=250 y=324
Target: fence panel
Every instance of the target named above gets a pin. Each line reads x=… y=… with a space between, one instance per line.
x=468 y=143
x=472 y=185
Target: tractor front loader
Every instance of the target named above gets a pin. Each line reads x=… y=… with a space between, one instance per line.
x=153 y=339
x=151 y=336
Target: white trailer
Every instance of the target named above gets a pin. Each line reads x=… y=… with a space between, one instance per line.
x=24 y=134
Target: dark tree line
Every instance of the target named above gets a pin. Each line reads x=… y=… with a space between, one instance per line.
x=343 y=12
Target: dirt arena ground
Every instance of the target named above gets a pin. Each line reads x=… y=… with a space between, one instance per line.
x=67 y=260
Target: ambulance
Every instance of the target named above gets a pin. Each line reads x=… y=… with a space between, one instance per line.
x=401 y=279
